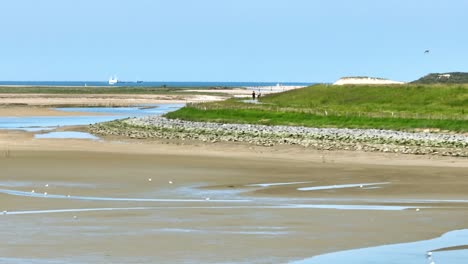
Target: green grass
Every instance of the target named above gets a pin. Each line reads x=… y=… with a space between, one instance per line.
x=254 y=116
x=406 y=99
x=433 y=78
x=404 y=107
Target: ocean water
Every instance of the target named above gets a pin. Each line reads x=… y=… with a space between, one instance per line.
x=153 y=84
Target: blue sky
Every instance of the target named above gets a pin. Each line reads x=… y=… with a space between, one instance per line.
x=230 y=40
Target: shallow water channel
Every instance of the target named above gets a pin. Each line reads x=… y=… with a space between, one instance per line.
x=103 y=114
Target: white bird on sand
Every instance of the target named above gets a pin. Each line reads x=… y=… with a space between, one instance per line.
x=75 y=217
x=5 y=212
x=417 y=209
x=45 y=194
x=33 y=191
x=170 y=182
x=47 y=185
x=149 y=179
x=207 y=198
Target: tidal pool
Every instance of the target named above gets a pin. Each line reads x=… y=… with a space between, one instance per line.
x=415 y=252
x=40 y=123
x=67 y=134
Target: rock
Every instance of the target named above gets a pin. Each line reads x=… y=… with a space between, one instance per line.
x=318 y=138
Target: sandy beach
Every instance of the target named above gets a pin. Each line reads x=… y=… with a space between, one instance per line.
x=122 y=200
x=215 y=208
x=8 y=100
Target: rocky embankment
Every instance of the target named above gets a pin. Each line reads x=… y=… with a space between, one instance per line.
x=317 y=138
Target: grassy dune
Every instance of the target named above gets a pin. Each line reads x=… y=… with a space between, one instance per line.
x=406 y=107
x=411 y=99
x=444 y=78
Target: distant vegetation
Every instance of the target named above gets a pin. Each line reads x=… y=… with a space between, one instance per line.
x=99 y=90
x=401 y=107
x=444 y=78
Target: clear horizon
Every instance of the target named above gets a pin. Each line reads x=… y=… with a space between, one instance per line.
x=148 y=81
x=224 y=41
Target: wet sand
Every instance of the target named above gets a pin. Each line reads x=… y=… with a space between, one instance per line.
x=26 y=105
x=28 y=100
x=27 y=111
x=238 y=223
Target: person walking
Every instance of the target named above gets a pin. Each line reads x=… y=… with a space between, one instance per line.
x=253 y=95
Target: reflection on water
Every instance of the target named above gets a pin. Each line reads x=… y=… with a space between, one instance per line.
x=276 y=184
x=414 y=252
x=67 y=134
x=341 y=186
x=73 y=210
x=90 y=198
x=156 y=109
x=38 y=123
x=253 y=204
x=224 y=232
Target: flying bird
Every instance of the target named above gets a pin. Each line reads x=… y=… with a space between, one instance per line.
x=427 y=51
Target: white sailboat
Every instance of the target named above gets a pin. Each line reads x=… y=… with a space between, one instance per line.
x=113 y=80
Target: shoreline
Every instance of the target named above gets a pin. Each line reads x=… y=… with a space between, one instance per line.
x=17 y=140
x=367 y=140
x=205 y=170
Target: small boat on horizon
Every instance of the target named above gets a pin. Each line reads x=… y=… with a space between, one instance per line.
x=113 y=80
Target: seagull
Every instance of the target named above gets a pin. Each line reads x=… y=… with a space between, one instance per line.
x=33 y=191
x=5 y=212
x=429 y=254
x=47 y=185
x=427 y=51
x=45 y=194
x=207 y=198
x=149 y=179
x=417 y=210
x=170 y=182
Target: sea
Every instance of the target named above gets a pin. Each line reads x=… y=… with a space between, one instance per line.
x=151 y=84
